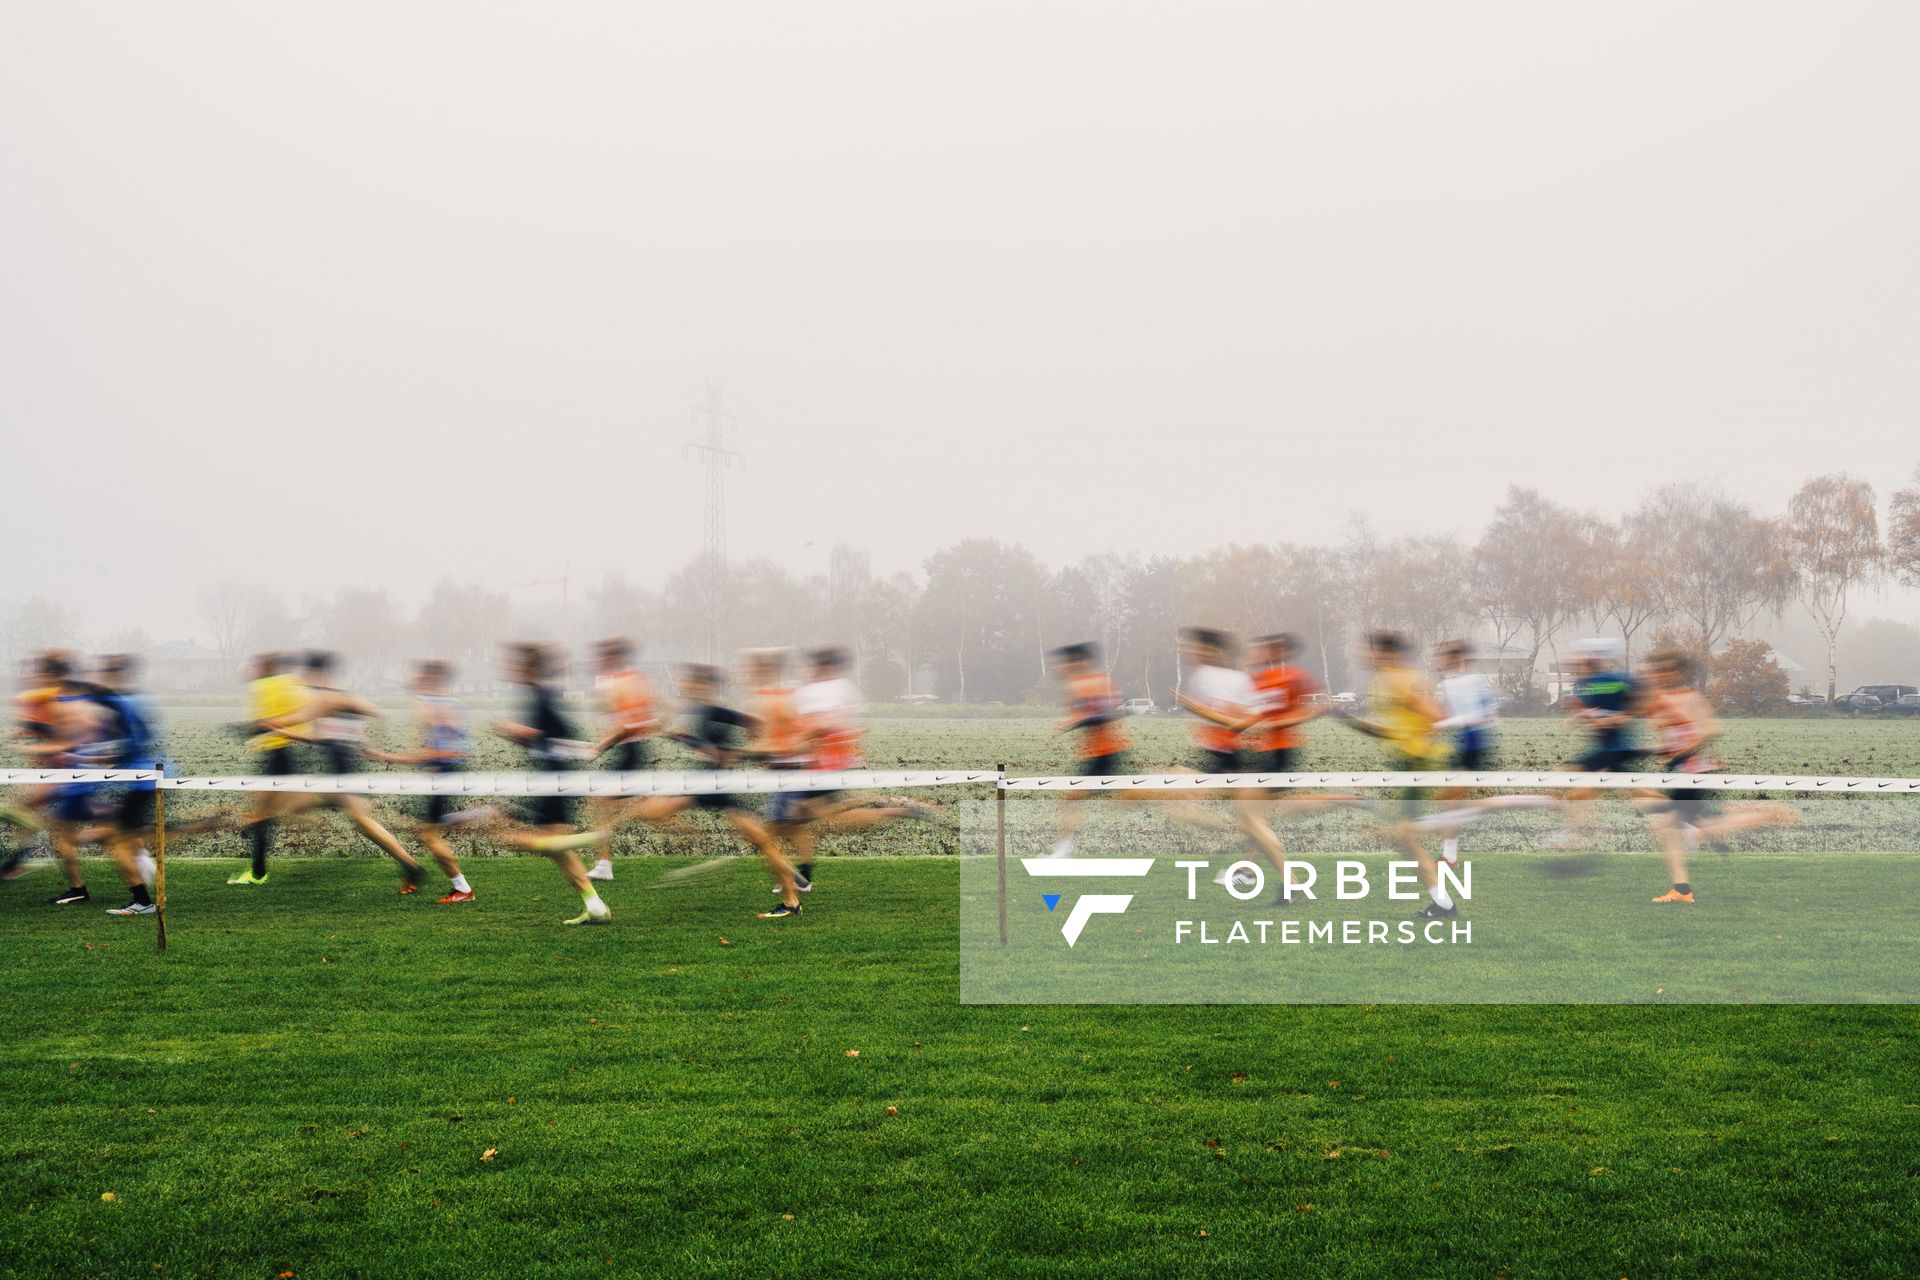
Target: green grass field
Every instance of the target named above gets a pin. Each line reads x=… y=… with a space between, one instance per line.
x=312 y=1077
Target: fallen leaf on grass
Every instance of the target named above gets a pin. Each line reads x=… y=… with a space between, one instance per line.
x=853 y=1053
x=893 y=1111
x=1203 y=1235
x=725 y=943
x=490 y=1153
x=109 y=1196
x=1303 y=1208
x=786 y=1217
x=1238 y=1077
x=1211 y=1142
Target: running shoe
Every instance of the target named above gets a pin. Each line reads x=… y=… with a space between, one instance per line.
x=67 y=897
x=458 y=895
x=780 y=912
x=133 y=909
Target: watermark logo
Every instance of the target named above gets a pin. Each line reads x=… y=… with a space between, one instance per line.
x=1086 y=905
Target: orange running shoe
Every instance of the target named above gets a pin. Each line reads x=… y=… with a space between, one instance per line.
x=459 y=896
x=1674 y=895
x=407 y=887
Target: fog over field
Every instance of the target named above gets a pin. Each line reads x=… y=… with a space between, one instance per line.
x=368 y=296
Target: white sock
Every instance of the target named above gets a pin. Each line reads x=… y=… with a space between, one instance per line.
x=595 y=907
x=1441 y=898
x=148 y=867
x=460 y=885
x=1450 y=849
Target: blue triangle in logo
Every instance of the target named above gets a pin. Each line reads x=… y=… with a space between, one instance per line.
x=1052 y=900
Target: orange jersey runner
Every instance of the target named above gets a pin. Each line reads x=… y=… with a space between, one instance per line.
x=778 y=732
x=628 y=699
x=1093 y=697
x=1281 y=691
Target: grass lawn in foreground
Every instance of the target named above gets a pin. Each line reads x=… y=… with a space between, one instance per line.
x=322 y=1078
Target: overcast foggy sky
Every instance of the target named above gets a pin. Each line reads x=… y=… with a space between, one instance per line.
x=419 y=289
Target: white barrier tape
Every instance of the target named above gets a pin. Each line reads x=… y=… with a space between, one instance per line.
x=700 y=782
x=1560 y=781
x=61 y=777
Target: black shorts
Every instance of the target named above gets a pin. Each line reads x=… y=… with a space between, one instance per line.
x=1687 y=805
x=1608 y=760
x=279 y=762
x=434 y=808
x=134 y=810
x=632 y=757
x=548 y=811
x=1221 y=761
x=1114 y=764
x=798 y=806
x=1274 y=760
x=338 y=757
x=718 y=804
x=1470 y=759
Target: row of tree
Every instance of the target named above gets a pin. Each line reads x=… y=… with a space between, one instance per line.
x=1687 y=561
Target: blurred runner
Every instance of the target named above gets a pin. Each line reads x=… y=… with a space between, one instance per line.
x=33 y=723
x=829 y=711
x=1604 y=702
x=1403 y=713
x=441 y=724
x=1093 y=717
x=68 y=727
x=1687 y=726
x=1472 y=711
x=1222 y=699
x=334 y=721
x=134 y=737
x=626 y=701
x=274 y=698
x=719 y=734
x=546 y=821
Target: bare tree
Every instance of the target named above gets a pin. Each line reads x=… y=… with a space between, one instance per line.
x=241 y=617
x=1903 y=533
x=1625 y=567
x=36 y=624
x=1833 y=537
x=1527 y=565
x=1721 y=565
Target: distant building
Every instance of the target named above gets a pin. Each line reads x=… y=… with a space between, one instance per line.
x=181 y=666
x=1504 y=664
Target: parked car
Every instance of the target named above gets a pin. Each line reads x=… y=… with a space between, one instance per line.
x=1344 y=701
x=1138 y=707
x=1908 y=704
x=1869 y=699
